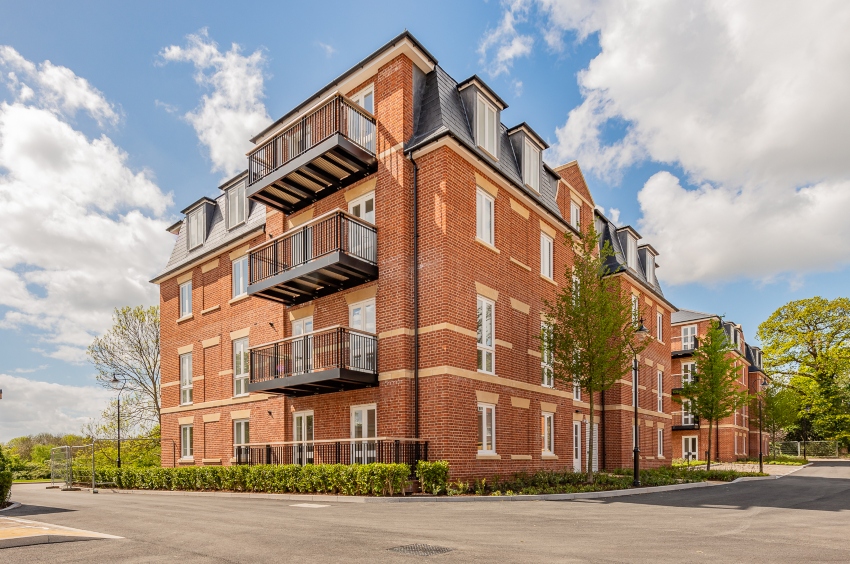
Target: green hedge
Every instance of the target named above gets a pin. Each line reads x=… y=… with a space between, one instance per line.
x=5 y=486
x=433 y=476
x=356 y=479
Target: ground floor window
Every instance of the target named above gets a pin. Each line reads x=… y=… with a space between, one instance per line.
x=364 y=426
x=577 y=446
x=486 y=428
x=660 y=443
x=186 y=450
x=547 y=432
x=241 y=437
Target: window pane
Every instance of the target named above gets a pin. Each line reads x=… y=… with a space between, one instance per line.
x=480 y=132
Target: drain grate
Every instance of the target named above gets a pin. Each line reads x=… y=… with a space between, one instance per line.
x=421 y=549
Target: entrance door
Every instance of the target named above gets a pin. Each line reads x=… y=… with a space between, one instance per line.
x=302 y=434
x=361 y=241
x=363 y=426
x=576 y=446
x=362 y=316
x=302 y=348
x=689 y=448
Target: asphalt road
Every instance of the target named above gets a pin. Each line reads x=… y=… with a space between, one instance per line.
x=804 y=517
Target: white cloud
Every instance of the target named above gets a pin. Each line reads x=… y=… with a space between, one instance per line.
x=233 y=111
x=502 y=45
x=81 y=231
x=31 y=406
x=328 y=49
x=29 y=370
x=749 y=99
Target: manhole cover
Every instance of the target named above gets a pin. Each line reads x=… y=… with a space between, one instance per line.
x=421 y=549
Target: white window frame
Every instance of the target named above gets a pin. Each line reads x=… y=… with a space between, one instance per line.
x=237 y=200
x=635 y=308
x=361 y=201
x=485 y=217
x=695 y=439
x=196 y=228
x=487 y=127
x=547 y=256
x=660 y=391
x=660 y=436
x=531 y=166
x=361 y=96
x=239 y=276
x=486 y=350
x=659 y=326
x=650 y=268
x=186 y=379
x=631 y=252
x=486 y=415
x=575 y=215
x=363 y=453
x=576 y=390
x=547 y=433
x=185 y=299
x=689 y=334
x=241 y=367
x=241 y=433
x=577 y=446
x=546 y=364
x=187 y=439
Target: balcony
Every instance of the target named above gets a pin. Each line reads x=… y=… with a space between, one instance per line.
x=679 y=381
x=327 y=149
x=329 y=360
x=335 y=451
x=684 y=421
x=333 y=252
x=680 y=346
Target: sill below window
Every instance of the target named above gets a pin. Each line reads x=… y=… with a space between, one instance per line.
x=241 y=396
x=487 y=245
x=548 y=387
x=485 y=372
x=488 y=456
x=238 y=299
x=532 y=188
x=549 y=280
x=185 y=460
x=549 y=456
x=186 y=404
x=186 y=318
x=211 y=309
x=488 y=153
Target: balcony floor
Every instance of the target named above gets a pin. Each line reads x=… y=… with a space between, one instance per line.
x=321 y=382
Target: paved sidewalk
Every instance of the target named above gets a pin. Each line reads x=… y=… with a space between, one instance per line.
x=23 y=532
x=772 y=469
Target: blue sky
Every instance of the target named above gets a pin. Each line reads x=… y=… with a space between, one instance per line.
x=654 y=112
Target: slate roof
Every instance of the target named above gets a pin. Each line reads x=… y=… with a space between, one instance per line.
x=685 y=315
x=442 y=112
x=217 y=236
x=617 y=263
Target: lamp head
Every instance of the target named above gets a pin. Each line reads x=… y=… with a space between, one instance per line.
x=641 y=330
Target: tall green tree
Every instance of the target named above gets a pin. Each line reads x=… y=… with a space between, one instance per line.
x=781 y=406
x=129 y=351
x=713 y=394
x=590 y=338
x=807 y=343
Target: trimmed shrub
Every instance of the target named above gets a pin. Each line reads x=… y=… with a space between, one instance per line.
x=5 y=486
x=433 y=476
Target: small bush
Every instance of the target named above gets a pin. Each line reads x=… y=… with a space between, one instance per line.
x=5 y=486
x=433 y=476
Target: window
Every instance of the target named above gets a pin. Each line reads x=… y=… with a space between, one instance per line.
x=302 y=435
x=186 y=442
x=546 y=356
x=486 y=428
x=660 y=443
x=687 y=416
x=366 y=99
x=547 y=433
x=302 y=349
x=185 y=299
x=241 y=435
x=486 y=127
x=659 y=326
x=650 y=268
x=576 y=446
x=196 y=228
x=484 y=217
x=631 y=252
x=575 y=215
x=362 y=242
x=363 y=207
x=486 y=325
x=240 y=276
x=635 y=308
x=362 y=353
x=546 y=256
x=531 y=166
x=237 y=205
x=660 y=391
x=241 y=366
x=185 y=378
x=364 y=426
x=576 y=390
x=688 y=337
x=688 y=372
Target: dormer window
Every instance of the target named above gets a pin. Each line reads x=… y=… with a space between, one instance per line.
x=531 y=166
x=631 y=252
x=486 y=126
x=650 y=268
x=196 y=227
x=237 y=205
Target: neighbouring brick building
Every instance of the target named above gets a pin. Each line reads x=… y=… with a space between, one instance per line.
x=376 y=280
x=736 y=437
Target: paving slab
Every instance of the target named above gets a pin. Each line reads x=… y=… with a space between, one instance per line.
x=15 y=531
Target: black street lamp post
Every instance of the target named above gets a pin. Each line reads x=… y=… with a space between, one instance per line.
x=641 y=331
x=118 y=385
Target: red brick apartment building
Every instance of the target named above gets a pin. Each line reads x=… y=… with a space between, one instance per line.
x=372 y=288
x=737 y=436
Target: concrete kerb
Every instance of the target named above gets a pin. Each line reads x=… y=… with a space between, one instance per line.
x=14 y=505
x=753 y=478
x=419 y=499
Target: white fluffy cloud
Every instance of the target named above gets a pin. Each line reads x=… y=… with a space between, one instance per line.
x=749 y=99
x=233 y=111
x=503 y=44
x=81 y=231
x=31 y=406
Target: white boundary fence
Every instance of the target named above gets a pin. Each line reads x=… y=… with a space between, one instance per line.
x=818 y=449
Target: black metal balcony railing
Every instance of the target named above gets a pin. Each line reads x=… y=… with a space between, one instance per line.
x=684 y=420
x=327 y=360
x=679 y=381
x=336 y=232
x=336 y=451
